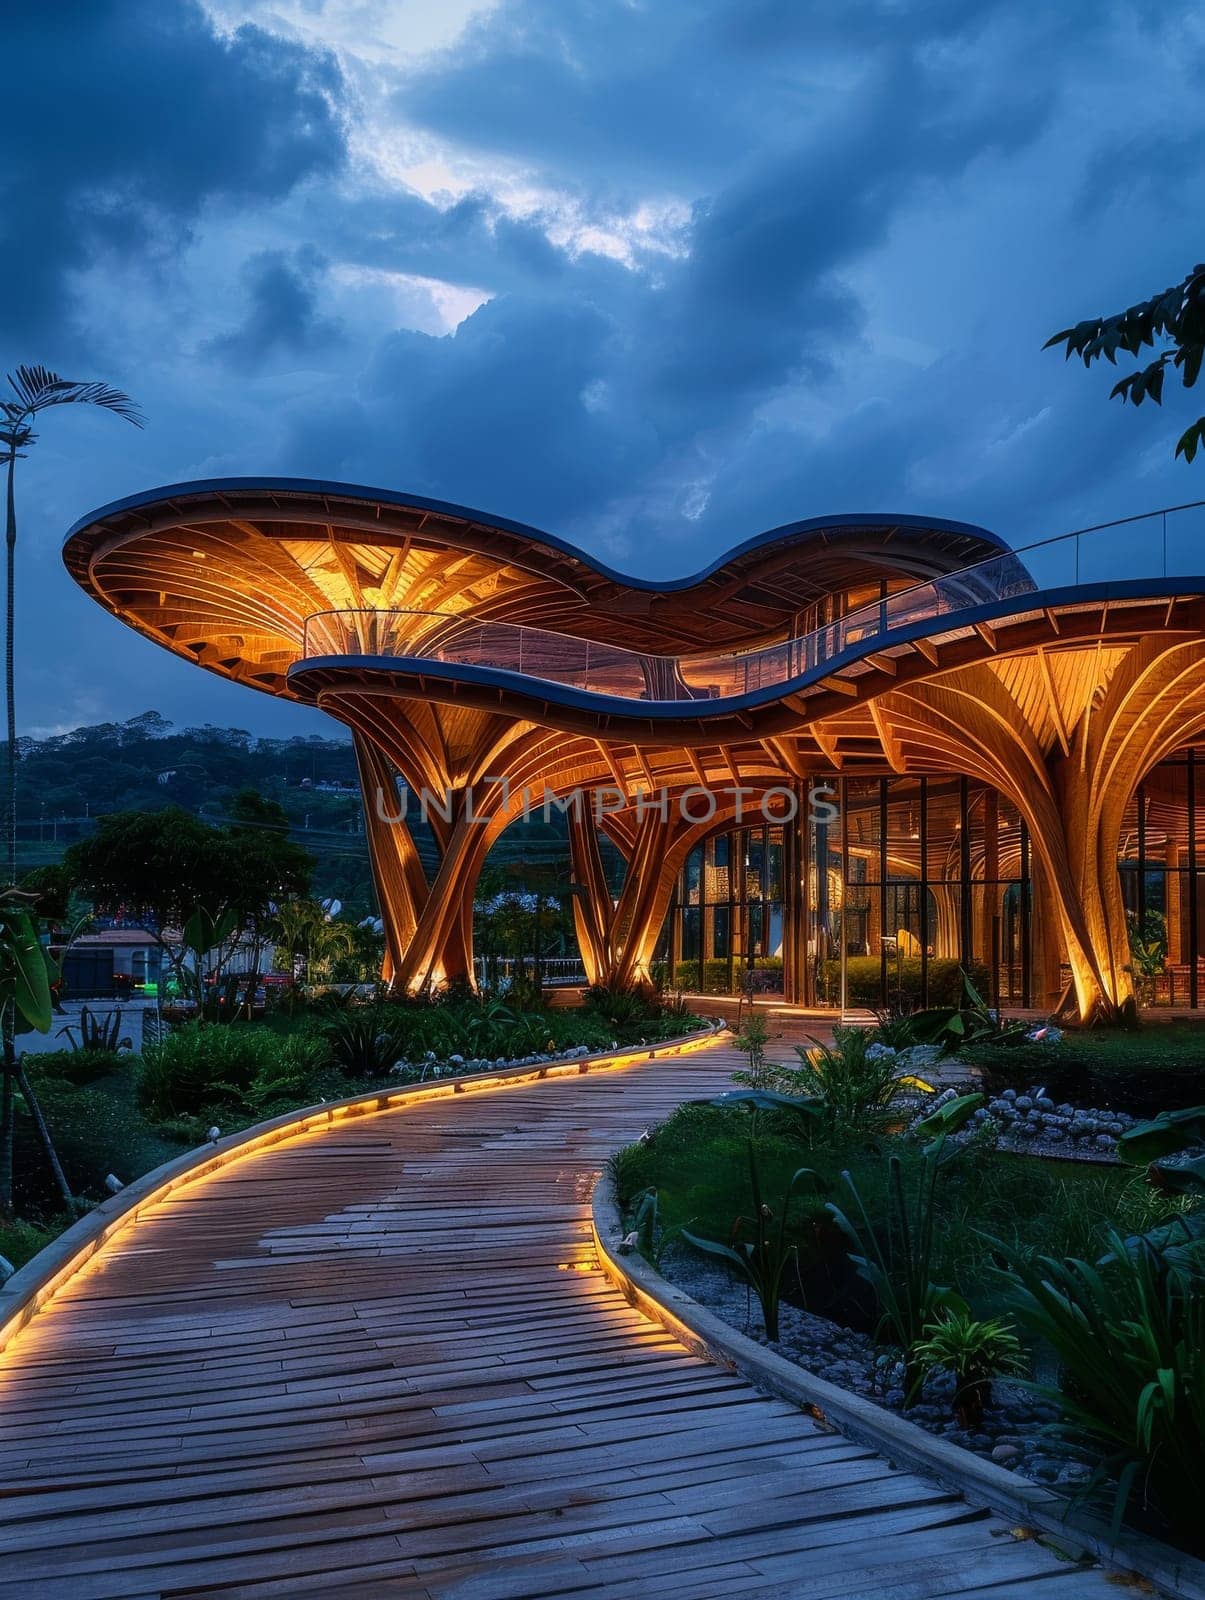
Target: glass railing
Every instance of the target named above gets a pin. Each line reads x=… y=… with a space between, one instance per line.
x=1160 y=544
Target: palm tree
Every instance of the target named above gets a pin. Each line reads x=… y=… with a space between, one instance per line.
x=36 y=390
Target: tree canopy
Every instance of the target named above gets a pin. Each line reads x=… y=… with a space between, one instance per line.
x=166 y=865
x=1176 y=317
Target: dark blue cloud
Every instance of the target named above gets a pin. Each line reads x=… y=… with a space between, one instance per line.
x=734 y=262
x=282 y=317
x=124 y=118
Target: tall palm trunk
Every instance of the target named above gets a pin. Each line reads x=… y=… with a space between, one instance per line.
x=36 y=389
x=8 y=1087
x=10 y=696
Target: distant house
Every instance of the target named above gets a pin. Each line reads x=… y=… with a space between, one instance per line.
x=111 y=961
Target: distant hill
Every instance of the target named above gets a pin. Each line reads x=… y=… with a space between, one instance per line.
x=65 y=782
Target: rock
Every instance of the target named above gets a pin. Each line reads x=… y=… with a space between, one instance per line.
x=1024 y=1103
x=1009 y=1094
x=1105 y=1141
x=1074 y=1472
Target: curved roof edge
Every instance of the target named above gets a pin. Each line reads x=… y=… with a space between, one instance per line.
x=317 y=487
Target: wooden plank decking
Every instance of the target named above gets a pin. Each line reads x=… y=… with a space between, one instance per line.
x=380 y=1361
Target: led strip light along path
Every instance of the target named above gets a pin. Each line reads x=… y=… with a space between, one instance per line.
x=380 y=1359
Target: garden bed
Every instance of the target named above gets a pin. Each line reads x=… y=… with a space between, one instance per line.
x=1028 y=1504
x=865 y=1228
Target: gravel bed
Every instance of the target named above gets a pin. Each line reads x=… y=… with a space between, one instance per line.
x=1012 y=1431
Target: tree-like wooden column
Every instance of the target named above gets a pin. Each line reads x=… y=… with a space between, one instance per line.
x=618 y=937
x=476 y=772
x=1069 y=758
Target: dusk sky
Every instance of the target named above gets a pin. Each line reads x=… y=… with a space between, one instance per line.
x=652 y=276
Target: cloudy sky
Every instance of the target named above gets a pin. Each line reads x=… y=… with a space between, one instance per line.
x=653 y=275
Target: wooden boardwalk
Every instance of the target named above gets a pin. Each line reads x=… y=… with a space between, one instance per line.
x=380 y=1361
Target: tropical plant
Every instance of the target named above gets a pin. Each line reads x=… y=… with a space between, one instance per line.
x=1131 y=1344
x=752 y=1041
x=975 y=1352
x=644 y=1229
x=893 y=1026
x=36 y=389
x=763 y=1260
x=858 y=1078
x=309 y=933
x=25 y=976
x=363 y=1042
x=97 y=1030
x=810 y=1107
x=948 y=1117
x=895 y=1258
x=1176 y=318
x=1164 y=1135
x=1148 y=950
x=972 y=1022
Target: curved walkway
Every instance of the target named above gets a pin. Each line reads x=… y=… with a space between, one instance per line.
x=380 y=1361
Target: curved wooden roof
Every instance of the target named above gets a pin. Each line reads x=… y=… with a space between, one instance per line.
x=226 y=572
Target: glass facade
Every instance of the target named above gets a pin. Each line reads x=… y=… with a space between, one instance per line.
x=911 y=879
x=1161 y=857
x=880 y=897
x=725 y=931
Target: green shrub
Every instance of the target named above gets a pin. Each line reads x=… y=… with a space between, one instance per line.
x=364 y=1042
x=716 y=979
x=209 y=1064
x=20 y=1241
x=296 y=1075
x=623 y=1004
x=864 y=980
x=858 y=1084
x=1159 y=1067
